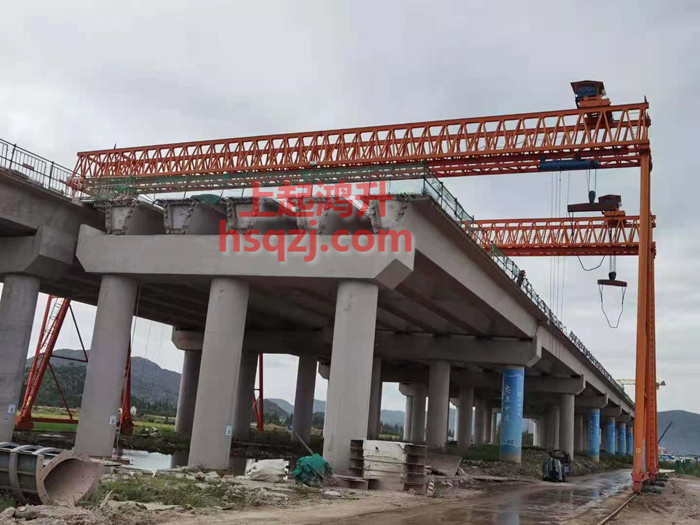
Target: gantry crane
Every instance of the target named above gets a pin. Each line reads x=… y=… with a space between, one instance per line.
x=594 y=135
x=632 y=382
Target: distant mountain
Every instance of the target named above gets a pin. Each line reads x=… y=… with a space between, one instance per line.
x=284 y=405
x=684 y=435
x=388 y=417
x=149 y=382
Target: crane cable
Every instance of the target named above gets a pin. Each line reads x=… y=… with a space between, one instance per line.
x=595 y=188
x=613 y=269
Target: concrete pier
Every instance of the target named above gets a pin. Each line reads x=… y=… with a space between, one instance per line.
x=621 y=439
x=352 y=355
x=17 y=307
x=221 y=360
x=407 y=418
x=479 y=420
x=609 y=435
x=304 y=397
x=188 y=392
x=579 y=441
x=418 y=417
x=554 y=430
x=512 y=399
x=375 y=400
x=594 y=434
x=245 y=396
x=630 y=439
x=438 y=405
x=465 y=416
x=105 y=377
x=566 y=423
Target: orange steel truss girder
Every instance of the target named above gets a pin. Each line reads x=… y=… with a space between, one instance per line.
x=569 y=236
x=613 y=136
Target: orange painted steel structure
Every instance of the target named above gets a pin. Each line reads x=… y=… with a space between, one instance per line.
x=614 y=138
x=55 y=314
x=614 y=234
x=597 y=133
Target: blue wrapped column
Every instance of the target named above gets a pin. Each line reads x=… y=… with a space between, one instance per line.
x=594 y=434
x=630 y=439
x=610 y=444
x=512 y=398
x=621 y=439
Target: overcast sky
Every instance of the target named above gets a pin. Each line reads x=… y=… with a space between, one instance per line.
x=75 y=76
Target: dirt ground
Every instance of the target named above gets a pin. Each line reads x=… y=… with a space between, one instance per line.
x=678 y=504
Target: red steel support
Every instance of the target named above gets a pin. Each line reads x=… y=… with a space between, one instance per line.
x=639 y=475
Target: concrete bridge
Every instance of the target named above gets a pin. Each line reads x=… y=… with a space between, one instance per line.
x=435 y=313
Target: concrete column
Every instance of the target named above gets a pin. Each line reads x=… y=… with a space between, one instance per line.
x=304 y=398
x=594 y=434
x=17 y=307
x=479 y=420
x=438 y=405
x=104 y=379
x=348 y=395
x=610 y=444
x=630 y=439
x=375 y=400
x=407 y=419
x=245 y=397
x=554 y=415
x=539 y=432
x=585 y=433
x=465 y=416
x=621 y=439
x=418 y=417
x=566 y=425
x=512 y=398
x=488 y=421
x=493 y=426
x=579 y=445
x=218 y=377
x=188 y=392
x=455 y=434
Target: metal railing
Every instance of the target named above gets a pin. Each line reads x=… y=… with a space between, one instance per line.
x=434 y=188
x=29 y=167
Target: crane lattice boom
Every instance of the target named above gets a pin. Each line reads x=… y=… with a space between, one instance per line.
x=604 y=137
x=608 y=235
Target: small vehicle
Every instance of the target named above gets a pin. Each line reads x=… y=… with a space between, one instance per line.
x=557 y=466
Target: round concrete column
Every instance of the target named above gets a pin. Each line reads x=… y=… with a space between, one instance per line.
x=566 y=422
x=375 y=400
x=188 y=392
x=218 y=377
x=304 y=398
x=512 y=400
x=630 y=439
x=594 y=434
x=17 y=307
x=348 y=395
x=579 y=445
x=554 y=415
x=418 y=417
x=438 y=405
x=465 y=417
x=621 y=439
x=479 y=420
x=610 y=439
x=104 y=380
x=407 y=418
x=245 y=396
